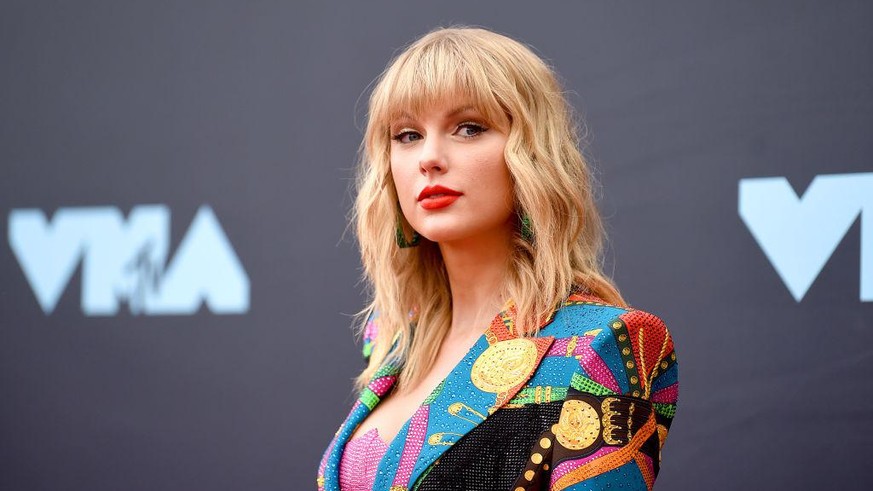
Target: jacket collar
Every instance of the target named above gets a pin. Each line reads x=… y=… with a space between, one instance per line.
x=489 y=375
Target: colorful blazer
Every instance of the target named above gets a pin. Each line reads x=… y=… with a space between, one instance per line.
x=584 y=405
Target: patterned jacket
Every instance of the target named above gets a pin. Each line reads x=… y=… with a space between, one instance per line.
x=584 y=405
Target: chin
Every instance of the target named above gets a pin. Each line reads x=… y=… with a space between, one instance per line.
x=442 y=233
x=439 y=236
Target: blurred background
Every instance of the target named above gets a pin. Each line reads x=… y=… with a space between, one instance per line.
x=175 y=179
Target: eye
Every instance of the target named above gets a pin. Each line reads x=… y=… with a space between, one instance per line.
x=470 y=130
x=406 y=136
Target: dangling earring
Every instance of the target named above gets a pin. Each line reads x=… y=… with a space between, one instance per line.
x=401 y=238
x=526 y=229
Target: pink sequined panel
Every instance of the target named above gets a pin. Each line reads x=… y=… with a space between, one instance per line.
x=359 y=461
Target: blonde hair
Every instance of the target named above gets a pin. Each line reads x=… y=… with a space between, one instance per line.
x=513 y=89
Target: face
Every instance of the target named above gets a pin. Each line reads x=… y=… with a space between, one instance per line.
x=450 y=174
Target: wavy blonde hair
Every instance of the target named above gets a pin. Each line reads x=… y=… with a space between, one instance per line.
x=514 y=90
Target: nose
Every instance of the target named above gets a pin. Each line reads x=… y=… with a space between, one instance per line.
x=432 y=157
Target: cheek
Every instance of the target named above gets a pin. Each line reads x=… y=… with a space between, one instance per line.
x=495 y=175
x=402 y=178
x=404 y=184
x=506 y=190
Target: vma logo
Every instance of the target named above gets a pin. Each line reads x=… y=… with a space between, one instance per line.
x=127 y=260
x=799 y=235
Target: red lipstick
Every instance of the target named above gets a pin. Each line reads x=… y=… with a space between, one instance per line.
x=435 y=197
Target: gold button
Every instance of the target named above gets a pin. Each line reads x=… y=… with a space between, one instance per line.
x=629 y=364
x=529 y=475
x=545 y=443
x=536 y=458
x=636 y=393
x=545 y=467
x=622 y=337
x=634 y=379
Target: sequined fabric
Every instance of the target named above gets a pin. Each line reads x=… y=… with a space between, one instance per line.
x=585 y=404
x=360 y=460
x=494 y=454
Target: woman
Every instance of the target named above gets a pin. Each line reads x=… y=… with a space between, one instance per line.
x=473 y=199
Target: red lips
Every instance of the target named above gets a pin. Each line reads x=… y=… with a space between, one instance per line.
x=430 y=191
x=434 y=197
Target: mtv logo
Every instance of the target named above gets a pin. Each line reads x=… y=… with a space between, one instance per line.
x=799 y=235
x=127 y=260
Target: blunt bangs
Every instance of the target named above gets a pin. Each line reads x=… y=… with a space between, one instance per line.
x=431 y=73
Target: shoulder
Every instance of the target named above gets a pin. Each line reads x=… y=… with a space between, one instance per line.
x=612 y=370
x=619 y=350
x=586 y=315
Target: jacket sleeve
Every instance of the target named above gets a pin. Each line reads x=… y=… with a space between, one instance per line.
x=618 y=409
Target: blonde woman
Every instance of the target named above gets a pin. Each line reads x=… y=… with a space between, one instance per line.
x=499 y=354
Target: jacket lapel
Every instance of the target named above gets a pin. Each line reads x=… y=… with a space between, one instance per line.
x=379 y=385
x=491 y=373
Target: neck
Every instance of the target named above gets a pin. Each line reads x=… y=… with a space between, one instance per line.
x=477 y=269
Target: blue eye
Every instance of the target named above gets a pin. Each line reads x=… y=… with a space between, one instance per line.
x=469 y=130
x=406 y=137
x=464 y=130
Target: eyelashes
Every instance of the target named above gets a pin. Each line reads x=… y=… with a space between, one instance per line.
x=409 y=136
x=478 y=128
x=400 y=137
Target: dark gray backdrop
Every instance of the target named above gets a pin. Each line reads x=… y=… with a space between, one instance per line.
x=255 y=108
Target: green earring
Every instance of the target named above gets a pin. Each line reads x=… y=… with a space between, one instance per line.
x=526 y=229
x=401 y=238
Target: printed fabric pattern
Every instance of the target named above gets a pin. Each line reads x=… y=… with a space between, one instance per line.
x=585 y=405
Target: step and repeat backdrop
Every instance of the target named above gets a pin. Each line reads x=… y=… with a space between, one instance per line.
x=177 y=278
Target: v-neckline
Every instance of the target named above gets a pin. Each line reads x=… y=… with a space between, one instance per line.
x=473 y=390
x=505 y=311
